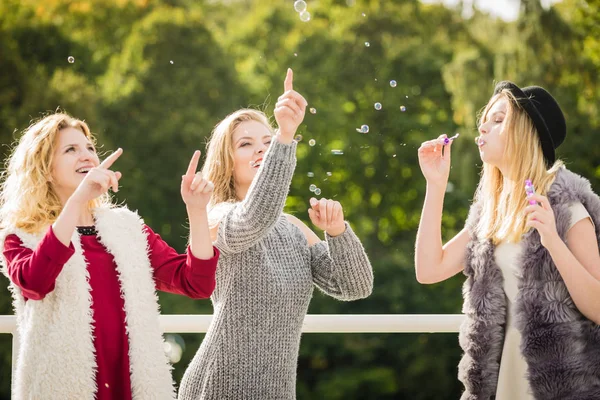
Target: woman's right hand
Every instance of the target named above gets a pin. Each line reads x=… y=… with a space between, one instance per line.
x=98 y=180
x=434 y=165
x=289 y=110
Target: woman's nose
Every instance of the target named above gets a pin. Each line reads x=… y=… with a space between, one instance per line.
x=482 y=129
x=86 y=155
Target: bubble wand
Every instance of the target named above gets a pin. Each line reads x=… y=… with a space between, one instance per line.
x=448 y=140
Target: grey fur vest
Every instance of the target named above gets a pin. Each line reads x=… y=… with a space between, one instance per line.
x=560 y=345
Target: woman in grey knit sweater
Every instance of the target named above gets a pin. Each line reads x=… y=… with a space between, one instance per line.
x=532 y=293
x=269 y=261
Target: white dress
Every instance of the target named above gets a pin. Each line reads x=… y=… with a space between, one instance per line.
x=512 y=381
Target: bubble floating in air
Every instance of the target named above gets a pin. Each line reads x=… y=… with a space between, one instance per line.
x=305 y=16
x=71 y=59
x=300 y=6
x=377 y=106
x=312 y=142
x=363 y=129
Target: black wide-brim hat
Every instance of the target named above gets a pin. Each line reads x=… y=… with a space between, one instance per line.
x=545 y=113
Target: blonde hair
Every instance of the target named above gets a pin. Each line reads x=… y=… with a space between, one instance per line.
x=218 y=166
x=503 y=200
x=28 y=200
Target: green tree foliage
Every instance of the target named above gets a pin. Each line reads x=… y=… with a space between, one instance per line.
x=155 y=76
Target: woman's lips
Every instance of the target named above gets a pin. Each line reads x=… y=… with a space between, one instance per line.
x=255 y=164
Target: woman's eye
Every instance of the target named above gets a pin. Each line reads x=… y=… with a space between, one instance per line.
x=70 y=149
x=244 y=144
x=92 y=149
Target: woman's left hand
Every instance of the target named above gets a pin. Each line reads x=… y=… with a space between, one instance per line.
x=327 y=215
x=195 y=190
x=541 y=217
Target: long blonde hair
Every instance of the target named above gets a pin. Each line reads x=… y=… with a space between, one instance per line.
x=28 y=200
x=503 y=200
x=219 y=164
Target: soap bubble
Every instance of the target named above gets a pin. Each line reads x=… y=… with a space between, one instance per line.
x=71 y=59
x=305 y=16
x=363 y=129
x=377 y=106
x=300 y=6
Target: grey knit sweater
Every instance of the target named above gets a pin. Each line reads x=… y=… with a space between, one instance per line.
x=265 y=281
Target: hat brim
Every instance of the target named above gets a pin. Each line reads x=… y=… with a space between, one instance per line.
x=528 y=105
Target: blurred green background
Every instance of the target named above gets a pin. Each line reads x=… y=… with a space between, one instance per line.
x=154 y=77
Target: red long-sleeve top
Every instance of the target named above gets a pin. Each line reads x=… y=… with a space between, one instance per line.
x=35 y=273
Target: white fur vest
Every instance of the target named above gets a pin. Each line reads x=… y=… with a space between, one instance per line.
x=55 y=359
x=560 y=345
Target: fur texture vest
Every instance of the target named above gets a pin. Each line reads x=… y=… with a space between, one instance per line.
x=55 y=359
x=560 y=345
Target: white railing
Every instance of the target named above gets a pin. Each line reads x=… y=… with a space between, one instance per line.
x=337 y=323
x=314 y=323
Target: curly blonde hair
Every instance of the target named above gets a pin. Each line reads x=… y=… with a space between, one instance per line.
x=28 y=200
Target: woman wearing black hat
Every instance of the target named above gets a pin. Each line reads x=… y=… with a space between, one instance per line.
x=532 y=294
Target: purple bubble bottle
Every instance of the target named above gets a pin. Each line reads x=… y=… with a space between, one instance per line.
x=530 y=191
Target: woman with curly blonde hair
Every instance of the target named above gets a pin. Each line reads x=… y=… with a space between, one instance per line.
x=84 y=272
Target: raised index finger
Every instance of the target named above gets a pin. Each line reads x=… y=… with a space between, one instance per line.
x=108 y=161
x=193 y=164
x=288 y=84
